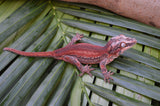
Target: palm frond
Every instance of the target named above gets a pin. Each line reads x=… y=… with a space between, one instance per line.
x=45 y=26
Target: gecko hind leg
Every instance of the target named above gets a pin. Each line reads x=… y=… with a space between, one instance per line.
x=74 y=60
x=86 y=69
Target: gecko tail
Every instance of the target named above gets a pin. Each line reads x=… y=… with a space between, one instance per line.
x=30 y=54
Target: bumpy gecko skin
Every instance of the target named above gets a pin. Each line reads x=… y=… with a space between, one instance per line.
x=86 y=53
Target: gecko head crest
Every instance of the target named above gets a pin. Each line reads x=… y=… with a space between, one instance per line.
x=119 y=44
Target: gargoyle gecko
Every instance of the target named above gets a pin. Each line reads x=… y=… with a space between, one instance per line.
x=86 y=53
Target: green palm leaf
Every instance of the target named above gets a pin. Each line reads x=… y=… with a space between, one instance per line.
x=49 y=85
x=46 y=26
x=115 y=97
x=25 y=40
x=106 y=30
x=111 y=19
x=17 y=19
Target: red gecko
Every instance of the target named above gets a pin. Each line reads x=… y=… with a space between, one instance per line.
x=86 y=53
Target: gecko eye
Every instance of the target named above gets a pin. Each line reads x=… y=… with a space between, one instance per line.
x=123 y=44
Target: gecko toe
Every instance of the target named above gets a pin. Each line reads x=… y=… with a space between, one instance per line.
x=87 y=69
x=89 y=74
x=81 y=74
x=78 y=36
x=107 y=76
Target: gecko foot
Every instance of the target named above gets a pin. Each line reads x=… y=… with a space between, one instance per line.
x=107 y=76
x=77 y=37
x=86 y=69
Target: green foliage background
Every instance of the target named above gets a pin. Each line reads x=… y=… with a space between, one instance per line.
x=48 y=25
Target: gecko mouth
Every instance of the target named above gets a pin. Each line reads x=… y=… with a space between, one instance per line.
x=132 y=43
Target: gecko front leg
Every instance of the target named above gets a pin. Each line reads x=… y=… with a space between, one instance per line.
x=107 y=75
x=75 y=39
x=74 y=60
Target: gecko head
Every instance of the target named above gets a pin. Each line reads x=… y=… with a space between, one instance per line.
x=119 y=44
